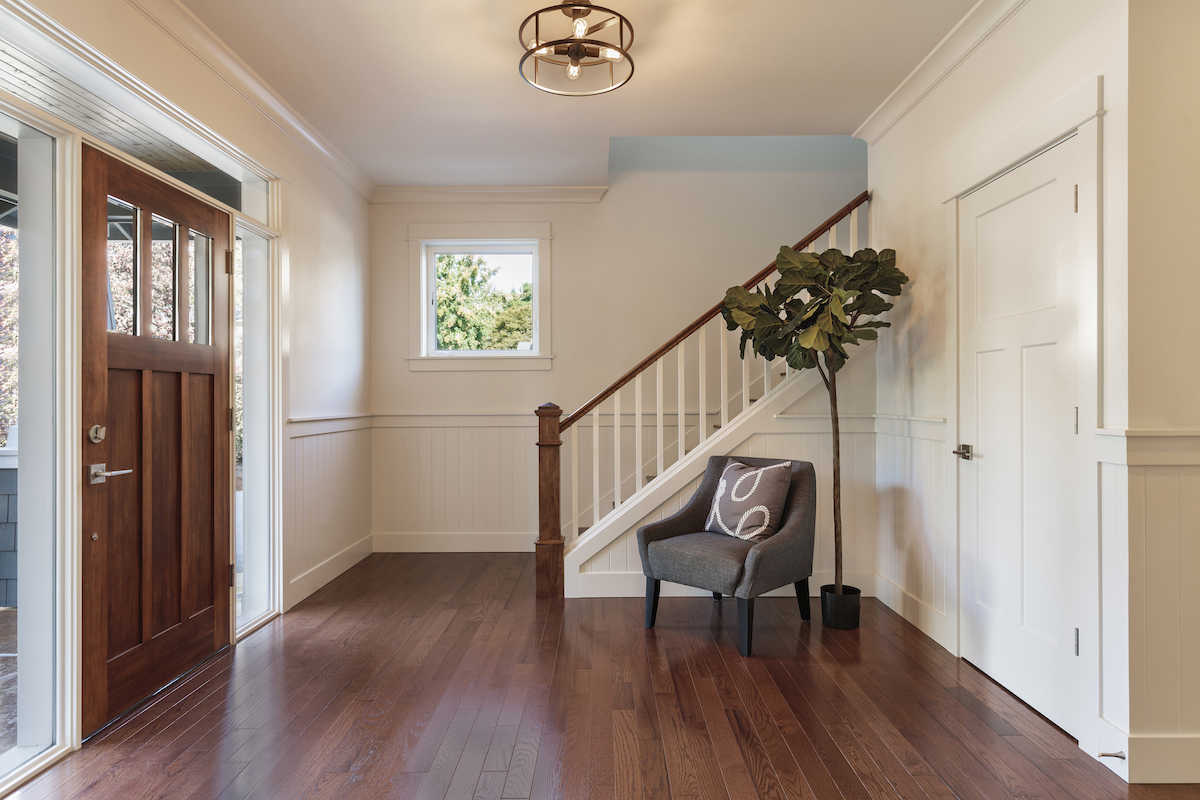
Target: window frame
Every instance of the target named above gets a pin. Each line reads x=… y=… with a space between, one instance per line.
x=426 y=241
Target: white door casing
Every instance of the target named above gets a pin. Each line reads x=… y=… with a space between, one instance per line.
x=1018 y=248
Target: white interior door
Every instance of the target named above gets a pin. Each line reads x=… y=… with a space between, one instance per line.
x=1018 y=245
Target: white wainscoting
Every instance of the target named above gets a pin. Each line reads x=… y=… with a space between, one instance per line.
x=456 y=484
x=917 y=552
x=327 y=521
x=616 y=571
x=1164 y=609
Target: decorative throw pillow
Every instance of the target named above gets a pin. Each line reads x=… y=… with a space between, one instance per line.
x=749 y=500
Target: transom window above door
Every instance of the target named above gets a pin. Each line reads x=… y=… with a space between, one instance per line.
x=160 y=276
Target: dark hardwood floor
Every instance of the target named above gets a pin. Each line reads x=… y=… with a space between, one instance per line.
x=441 y=676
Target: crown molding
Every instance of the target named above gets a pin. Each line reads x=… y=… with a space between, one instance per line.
x=488 y=194
x=189 y=33
x=183 y=28
x=976 y=27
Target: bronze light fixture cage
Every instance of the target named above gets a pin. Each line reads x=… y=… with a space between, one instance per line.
x=568 y=51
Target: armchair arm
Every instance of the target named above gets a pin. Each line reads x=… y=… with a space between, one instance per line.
x=689 y=519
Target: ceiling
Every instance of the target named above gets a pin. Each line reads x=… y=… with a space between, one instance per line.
x=426 y=92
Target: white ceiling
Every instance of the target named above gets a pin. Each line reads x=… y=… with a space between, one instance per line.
x=426 y=92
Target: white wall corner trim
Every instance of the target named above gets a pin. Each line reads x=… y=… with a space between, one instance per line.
x=395 y=195
x=976 y=27
x=456 y=542
x=189 y=33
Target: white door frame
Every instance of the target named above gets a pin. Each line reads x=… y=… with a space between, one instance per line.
x=1080 y=113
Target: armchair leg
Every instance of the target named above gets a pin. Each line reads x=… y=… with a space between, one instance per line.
x=745 y=625
x=803 y=600
x=716 y=597
x=652 y=587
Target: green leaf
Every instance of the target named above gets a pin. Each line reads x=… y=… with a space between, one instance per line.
x=835 y=304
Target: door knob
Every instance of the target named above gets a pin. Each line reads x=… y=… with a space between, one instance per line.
x=98 y=473
x=963 y=452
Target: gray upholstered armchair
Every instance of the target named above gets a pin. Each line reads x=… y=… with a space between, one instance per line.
x=679 y=550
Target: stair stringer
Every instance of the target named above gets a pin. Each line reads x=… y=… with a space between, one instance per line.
x=758 y=419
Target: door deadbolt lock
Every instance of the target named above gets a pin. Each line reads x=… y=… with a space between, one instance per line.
x=963 y=452
x=95 y=536
x=97 y=434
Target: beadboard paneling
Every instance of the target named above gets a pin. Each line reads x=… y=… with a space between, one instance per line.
x=454 y=479
x=1164 y=623
x=858 y=504
x=327 y=521
x=915 y=552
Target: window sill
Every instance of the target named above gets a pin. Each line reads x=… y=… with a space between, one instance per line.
x=479 y=363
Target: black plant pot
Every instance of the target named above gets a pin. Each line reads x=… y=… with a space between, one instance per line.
x=840 y=610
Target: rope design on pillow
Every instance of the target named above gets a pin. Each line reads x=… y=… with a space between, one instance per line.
x=722 y=484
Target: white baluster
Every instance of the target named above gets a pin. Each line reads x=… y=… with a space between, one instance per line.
x=854 y=230
x=680 y=398
x=637 y=433
x=833 y=236
x=766 y=376
x=723 y=342
x=574 y=480
x=746 y=383
x=703 y=366
x=616 y=448
x=596 y=466
x=661 y=426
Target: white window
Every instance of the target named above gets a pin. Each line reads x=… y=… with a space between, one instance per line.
x=483 y=293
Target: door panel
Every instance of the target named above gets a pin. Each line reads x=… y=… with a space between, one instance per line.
x=1018 y=243
x=156 y=539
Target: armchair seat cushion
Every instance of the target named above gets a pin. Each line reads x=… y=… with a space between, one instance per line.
x=706 y=560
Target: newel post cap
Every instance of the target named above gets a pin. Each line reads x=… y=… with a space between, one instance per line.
x=548 y=410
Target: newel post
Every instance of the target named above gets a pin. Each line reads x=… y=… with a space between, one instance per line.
x=549 y=547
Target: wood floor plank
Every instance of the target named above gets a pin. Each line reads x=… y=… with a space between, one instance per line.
x=438 y=676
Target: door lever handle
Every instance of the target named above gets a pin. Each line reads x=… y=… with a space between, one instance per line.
x=963 y=452
x=99 y=473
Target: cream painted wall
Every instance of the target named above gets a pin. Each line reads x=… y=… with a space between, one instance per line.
x=1008 y=63
x=323 y=219
x=681 y=222
x=1164 y=170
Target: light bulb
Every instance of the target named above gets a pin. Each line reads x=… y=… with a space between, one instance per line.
x=579 y=26
x=610 y=53
x=533 y=43
x=574 y=70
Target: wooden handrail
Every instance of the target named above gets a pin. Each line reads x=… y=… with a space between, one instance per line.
x=706 y=316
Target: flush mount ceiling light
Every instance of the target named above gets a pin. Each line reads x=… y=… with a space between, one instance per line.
x=576 y=49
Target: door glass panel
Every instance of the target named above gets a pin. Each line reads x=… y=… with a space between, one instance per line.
x=28 y=297
x=199 y=288
x=252 y=425
x=162 y=277
x=122 y=256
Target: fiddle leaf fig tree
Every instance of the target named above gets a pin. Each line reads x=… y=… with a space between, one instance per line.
x=819 y=306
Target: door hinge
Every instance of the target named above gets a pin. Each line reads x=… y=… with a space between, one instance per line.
x=229 y=261
x=231 y=575
x=1076 y=420
x=1077 y=198
x=1077 y=641
x=231 y=427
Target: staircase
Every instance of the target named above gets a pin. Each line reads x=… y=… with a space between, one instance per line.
x=690 y=399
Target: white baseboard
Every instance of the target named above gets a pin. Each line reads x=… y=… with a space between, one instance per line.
x=314 y=578
x=934 y=624
x=455 y=542
x=1173 y=758
x=633 y=584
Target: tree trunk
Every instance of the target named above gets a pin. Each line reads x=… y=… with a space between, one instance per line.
x=830 y=364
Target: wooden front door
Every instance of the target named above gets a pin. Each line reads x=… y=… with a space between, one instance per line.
x=155 y=321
